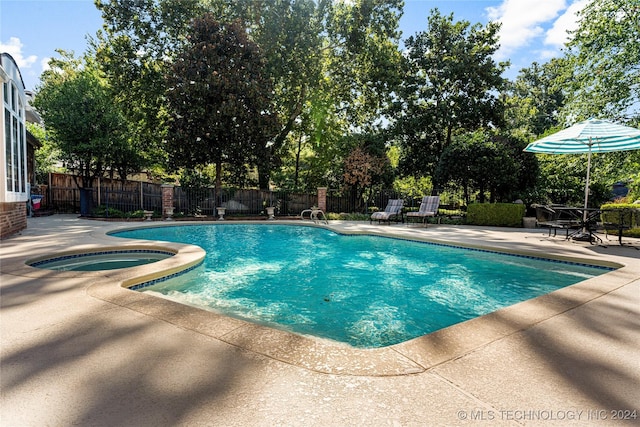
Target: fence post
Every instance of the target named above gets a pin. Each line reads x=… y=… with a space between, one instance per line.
x=322 y=198
x=167 y=200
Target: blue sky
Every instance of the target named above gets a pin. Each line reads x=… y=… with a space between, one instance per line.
x=532 y=30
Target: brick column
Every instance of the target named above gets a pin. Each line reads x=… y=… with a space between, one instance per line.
x=167 y=200
x=322 y=198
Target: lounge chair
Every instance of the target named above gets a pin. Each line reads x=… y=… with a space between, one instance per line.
x=428 y=208
x=393 y=210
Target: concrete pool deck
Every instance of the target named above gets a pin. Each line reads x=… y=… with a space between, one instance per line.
x=78 y=349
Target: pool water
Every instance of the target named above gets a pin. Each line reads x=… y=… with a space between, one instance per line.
x=367 y=291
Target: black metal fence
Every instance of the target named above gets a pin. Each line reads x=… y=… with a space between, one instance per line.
x=204 y=201
x=63 y=195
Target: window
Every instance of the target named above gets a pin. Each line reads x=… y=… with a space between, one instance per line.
x=7 y=136
x=15 y=140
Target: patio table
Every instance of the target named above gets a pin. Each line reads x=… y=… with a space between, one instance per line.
x=584 y=227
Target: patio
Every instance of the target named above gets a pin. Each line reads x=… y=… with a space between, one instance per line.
x=87 y=352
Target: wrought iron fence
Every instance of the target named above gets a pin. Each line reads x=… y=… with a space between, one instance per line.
x=204 y=201
x=64 y=196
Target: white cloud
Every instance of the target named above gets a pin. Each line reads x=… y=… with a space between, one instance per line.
x=14 y=48
x=557 y=35
x=522 y=22
x=44 y=63
x=547 y=54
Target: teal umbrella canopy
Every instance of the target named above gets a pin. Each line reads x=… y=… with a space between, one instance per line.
x=589 y=136
x=593 y=135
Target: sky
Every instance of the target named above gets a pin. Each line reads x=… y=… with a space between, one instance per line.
x=532 y=30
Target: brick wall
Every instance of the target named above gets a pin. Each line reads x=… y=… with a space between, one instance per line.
x=13 y=218
x=167 y=200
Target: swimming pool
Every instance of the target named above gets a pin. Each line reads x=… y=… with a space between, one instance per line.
x=367 y=291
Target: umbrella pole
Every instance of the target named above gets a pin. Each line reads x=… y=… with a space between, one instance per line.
x=586 y=193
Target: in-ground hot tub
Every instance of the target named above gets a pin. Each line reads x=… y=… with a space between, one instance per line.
x=102 y=260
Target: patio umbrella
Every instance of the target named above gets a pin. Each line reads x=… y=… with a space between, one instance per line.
x=589 y=136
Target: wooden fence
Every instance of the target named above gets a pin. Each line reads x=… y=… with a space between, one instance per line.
x=63 y=195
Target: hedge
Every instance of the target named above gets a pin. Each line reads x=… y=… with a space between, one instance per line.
x=497 y=214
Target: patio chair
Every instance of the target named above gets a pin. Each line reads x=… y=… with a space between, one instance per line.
x=558 y=217
x=393 y=210
x=428 y=208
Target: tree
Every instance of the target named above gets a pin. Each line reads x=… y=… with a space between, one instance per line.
x=602 y=62
x=599 y=76
x=134 y=50
x=486 y=162
x=219 y=98
x=334 y=67
x=47 y=155
x=451 y=84
x=534 y=101
x=89 y=130
x=329 y=62
x=367 y=165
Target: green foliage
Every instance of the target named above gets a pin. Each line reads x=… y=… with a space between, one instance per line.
x=496 y=214
x=534 y=100
x=86 y=126
x=332 y=66
x=105 y=212
x=135 y=48
x=413 y=187
x=601 y=64
x=348 y=216
x=219 y=98
x=484 y=161
x=364 y=56
x=289 y=35
x=562 y=177
x=450 y=84
x=627 y=214
x=46 y=155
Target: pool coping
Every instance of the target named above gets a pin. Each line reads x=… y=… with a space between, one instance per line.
x=325 y=356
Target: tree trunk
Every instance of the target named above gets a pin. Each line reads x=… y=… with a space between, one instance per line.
x=264 y=172
x=218 y=176
x=295 y=181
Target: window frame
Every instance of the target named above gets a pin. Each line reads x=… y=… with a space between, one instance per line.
x=14 y=144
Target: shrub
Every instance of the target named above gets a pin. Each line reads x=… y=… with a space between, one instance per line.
x=348 y=216
x=103 y=211
x=497 y=214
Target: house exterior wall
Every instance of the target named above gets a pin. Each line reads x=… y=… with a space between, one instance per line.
x=13 y=218
x=14 y=185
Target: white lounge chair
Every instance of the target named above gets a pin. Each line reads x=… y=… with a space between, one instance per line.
x=428 y=208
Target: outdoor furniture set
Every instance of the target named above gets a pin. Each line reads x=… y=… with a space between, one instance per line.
x=428 y=208
x=582 y=224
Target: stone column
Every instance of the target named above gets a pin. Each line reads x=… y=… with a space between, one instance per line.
x=167 y=200
x=322 y=198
